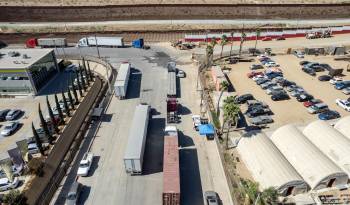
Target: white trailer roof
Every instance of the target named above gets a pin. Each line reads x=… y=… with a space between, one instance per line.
x=343 y=126
x=123 y=72
x=331 y=142
x=172 y=83
x=266 y=163
x=304 y=156
x=138 y=132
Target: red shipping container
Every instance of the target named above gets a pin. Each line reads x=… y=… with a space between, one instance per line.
x=31 y=43
x=171 y=171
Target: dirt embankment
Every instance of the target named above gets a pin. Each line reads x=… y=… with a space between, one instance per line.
x=141 y=12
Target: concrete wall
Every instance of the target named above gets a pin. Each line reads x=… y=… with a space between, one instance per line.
x=232 y=11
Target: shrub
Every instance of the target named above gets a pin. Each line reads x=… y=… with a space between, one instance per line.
x=36 y=166
x=14 y=197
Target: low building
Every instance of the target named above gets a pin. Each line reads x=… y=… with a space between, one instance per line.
x=26 y=71
x=343 y=126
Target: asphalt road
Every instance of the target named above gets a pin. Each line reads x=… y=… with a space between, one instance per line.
x=200 y=166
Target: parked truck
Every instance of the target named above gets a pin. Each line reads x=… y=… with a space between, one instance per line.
x=133 y=156
x=171 y=170
x=46 y=42
x=172 y=103
x=101 y=41
x=121 y=83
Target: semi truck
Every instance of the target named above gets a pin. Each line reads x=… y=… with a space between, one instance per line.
x=171 y=170
x=101 y=41
x=46 y=42
x=135 y=149
x=172 y=103
x=121 y=83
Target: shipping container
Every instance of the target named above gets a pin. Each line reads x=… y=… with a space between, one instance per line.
x=138 y=43
x=46 y=42
x=121 y=83
x=172 y=84
x=171 y=170
x=101 y=41
x=133 y=157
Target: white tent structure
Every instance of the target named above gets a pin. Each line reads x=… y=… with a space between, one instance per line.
x=315 y=168
x=331 y=142
x=268 y=166
x=343 y=126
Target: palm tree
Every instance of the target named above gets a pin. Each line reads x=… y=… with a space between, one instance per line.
x=251 y=190
x=269 y=196
x=223 y=42
x=70 y=98
x=231 y=43
x=65 y=104
x=78 y=84
x=59 y=110
x=231 y=114
x=37 y=140
x=243 y=36
x=52 y=116
x=45 y=126
x=73 y=88
x=82 y=79
x=210 y=51
x=257 y=35
x=223 y=87
x=91 y=75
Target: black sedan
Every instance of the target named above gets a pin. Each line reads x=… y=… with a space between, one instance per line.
x=280 y=96
x=324 y=78
x=329 y=115
x=304 y=97
x=243 y=98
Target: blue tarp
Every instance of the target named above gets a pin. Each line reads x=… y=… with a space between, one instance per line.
x=206 y=129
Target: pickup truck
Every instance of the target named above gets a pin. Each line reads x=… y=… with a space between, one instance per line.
x=85 y=164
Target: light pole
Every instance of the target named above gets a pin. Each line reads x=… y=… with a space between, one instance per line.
x=98 y=51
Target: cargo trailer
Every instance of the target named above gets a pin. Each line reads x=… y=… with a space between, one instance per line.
x=101 y=41
x=172 y=84
x=46 y=42
x=121 y=83
x=171 y=170
x=133 y=157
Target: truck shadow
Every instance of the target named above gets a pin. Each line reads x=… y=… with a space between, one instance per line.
x=84 y=195
x=178 y=87
x=190 y=180
x=184 y=140
x=153 y=156
x=94 y=165
x=134 y=84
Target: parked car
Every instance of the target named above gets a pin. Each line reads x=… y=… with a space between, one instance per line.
x=329 y=115
x=267 y=85
x=299 y=54
x=274 y=75
x=13 y=114
x=71 y=69
x=318 y=68
x=335 y=80
x=326 y=66
x=297 y=91
x=258 y=77
x=254 y=73
x=5 y=184
x=262 y=81
x=342 y=85
x=346 y=91
x=258 y=112
x=280 y=96
x=267 y=39
x=33 y=148
x=343 y=104
x=3 y=114
x=260 y=120
x=271 y=64
x=196 y=119
x=211 y=198
x=304 y=97
x=309 y=71
x=280 y=38
x=286 y=83
x=10 y=128
x=304 y=62
x=85 y=164
x=255 y=103
x=181 y=74
x=256 y=67
x=291 y=88
x=312 y=102
x=274 y=89
x=317 y=108
x=324 y=78
x=74 y=193
x=243 y=98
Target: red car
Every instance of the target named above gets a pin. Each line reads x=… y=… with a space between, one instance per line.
x=312 y=102
x=254 y=73
x=267 y=39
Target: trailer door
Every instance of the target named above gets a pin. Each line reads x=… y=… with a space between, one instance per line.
x=128 y=165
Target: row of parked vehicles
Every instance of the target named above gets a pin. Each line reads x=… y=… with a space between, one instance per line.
x=10 y=115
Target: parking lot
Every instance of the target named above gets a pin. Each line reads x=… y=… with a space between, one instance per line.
x=291 y=111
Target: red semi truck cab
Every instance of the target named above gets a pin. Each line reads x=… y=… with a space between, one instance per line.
x=31 y=43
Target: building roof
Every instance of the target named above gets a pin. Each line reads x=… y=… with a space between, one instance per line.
x=331 y=142
x=266 y=163
x=171 y=170
x=19 y=62
x=304 y=156
x=343 y=126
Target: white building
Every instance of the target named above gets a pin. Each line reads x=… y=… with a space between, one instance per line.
x=343 y=126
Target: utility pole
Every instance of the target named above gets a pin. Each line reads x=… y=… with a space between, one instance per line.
x=98 y=51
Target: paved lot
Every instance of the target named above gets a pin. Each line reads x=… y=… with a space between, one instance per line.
x=292 y=111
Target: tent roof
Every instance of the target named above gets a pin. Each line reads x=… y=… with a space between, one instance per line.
x=206 y=129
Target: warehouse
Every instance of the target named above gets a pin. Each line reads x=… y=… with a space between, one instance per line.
x=268 y=166
x=313 y=166
x=343 y=126
x=331 y=142
x=26 y=71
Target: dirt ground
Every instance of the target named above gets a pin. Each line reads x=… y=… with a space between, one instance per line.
x=292 y=111
x=136 y=2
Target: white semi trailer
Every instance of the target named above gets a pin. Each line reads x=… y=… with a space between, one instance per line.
x=121 y=83
x=101 y=41
x=133 y=157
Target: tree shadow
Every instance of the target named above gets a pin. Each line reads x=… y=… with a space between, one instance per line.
x=184 y=110
x=242 y=121
x=190 y=181
x=56 y=84
x=134 y=84
x=184 y=140
x=84 y=195
x=230 y=88
x=178 y=87
x=153 y=155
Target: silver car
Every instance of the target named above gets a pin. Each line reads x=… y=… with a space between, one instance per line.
x=260 y=120
x=346 y=91
x=211 y=198
x=317 y=108
x=13 y=114
x=10 y=128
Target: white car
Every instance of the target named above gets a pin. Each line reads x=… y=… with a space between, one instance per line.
x=196 y=121
x=335 y=79
x=346 y=91
x=5 y=184
x=85 y=164
x=272 y=64
x=344 y=104
x=257 y=77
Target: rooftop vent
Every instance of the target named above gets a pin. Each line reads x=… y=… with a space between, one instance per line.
x=16 y=62
x=25 y=56
x=14 y=54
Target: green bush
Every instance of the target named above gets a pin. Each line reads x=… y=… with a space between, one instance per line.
x=14 y=197
x=216 y=120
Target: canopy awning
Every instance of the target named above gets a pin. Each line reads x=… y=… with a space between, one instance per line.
x=206 y=129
